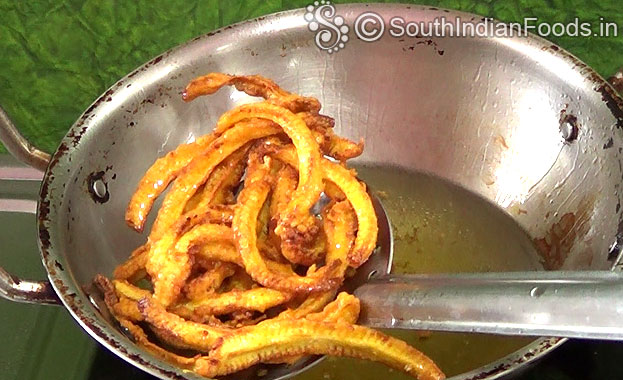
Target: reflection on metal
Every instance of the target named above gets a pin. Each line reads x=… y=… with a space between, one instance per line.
x=580 y=304
x=18 y=146
x=18 y=205
x=24 y=291
x=519 y=170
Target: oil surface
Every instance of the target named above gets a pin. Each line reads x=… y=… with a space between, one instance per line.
x=440 y=227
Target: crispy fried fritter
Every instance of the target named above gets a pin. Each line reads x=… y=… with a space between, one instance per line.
x=158 y=177
x=331 y=144
x=199 y=169
x=200 y=337
x=169 y=265
x=217 y=250
x=141 y=338
x=250 y=201
x=257 y=299
x=340 y=224
x=271 y=340
x=242 y=266
x=296 y=217
x=358 y=197
x=134 y=268
x=127 y=308
x=253 y=85
x=219 y=187
x=345 y=308
x=208 y=282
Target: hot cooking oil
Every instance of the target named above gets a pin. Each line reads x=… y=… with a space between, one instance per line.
x=440 y=227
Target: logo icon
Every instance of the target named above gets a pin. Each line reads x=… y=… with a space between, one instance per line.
x=331 y=32
x=369 y=26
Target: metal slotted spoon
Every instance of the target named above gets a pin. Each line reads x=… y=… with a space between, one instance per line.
x=574 y=304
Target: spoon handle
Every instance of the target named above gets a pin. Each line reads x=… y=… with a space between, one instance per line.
x=563 y=304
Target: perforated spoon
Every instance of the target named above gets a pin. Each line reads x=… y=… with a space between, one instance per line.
x=587 y=304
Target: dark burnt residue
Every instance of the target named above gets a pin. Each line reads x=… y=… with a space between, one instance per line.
x=74 y=303
x=543 y=346
x=426 y=42
x=58 y=265
x=99 y=100
x=613 y=102
x=76 y=133
x=608 y=95
x=618 y=245
x=615 y=248
x=609 y=143
x=155 y=60
x=79 y=129
x=44 y=203
x=44 y=237
x=617 y=81
x=569 y=126
x=556 y=245
x=62 y=288
x=92 y=182
x=164 y=90
x=149 y=99
x=497 y=369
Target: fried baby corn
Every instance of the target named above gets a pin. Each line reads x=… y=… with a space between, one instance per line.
x=243 y=265
x=273 y=340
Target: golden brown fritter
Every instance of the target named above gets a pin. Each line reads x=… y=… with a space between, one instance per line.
x=240 y=266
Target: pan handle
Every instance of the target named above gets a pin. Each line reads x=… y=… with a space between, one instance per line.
x=19 y=147
x=12 y=287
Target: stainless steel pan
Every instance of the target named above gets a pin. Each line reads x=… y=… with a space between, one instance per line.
x=518 y=121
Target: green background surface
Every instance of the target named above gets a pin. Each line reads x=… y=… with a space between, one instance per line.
x=56 y=57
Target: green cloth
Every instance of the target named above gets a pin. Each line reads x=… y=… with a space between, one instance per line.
x=58 y=56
